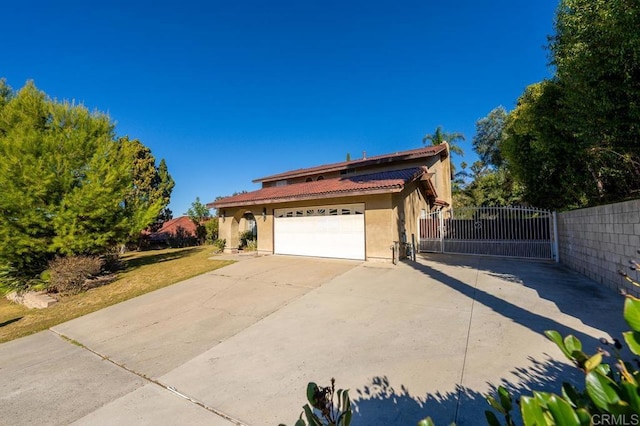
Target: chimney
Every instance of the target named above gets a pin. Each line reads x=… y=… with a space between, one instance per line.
x=364 y=155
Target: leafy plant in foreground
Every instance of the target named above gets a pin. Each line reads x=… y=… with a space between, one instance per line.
x=321 y=409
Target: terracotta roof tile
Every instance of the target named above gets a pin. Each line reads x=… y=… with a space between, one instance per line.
x=428 y=151
x=389 y=181
x=170 y=227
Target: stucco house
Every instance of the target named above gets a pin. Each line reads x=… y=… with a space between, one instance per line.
x=353 y=209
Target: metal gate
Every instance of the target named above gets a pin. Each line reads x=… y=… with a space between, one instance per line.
x=491 y=231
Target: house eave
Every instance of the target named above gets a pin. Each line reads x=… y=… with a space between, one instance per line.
x=329 y=195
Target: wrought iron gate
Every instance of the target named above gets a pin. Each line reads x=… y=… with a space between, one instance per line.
x=491 y=231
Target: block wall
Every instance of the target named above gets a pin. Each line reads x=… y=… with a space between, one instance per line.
x=599 y=241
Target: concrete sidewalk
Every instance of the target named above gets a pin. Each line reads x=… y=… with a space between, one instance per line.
x=241 y=343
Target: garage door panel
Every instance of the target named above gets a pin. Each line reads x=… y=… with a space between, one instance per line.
x=340 y=236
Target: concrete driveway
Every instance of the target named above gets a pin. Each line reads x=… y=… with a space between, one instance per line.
x=238 y=345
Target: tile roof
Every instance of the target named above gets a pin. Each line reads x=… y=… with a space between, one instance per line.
x=381 y=182
x=424 y=152
x=170 y=227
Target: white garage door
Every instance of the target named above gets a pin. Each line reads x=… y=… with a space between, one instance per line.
x=324 y=231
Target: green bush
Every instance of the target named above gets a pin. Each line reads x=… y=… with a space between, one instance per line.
x=111 y=261
x=252 y=245
x=12 y=280
x=181 y=238
x=211 y=227
x=68 y=275
x=245 y=237
x=219 y=244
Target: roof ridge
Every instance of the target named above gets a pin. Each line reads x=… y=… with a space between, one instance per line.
x=395 y=156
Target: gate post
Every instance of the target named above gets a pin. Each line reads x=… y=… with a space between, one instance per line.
x=555 y=246
x=418 y=248
x=441 y=229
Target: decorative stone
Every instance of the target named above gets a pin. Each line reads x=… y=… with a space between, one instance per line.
x=32 y=299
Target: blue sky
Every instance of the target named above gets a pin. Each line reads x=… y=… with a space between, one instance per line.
x=229 y=91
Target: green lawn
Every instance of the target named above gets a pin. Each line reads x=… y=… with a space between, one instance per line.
x=145 y=271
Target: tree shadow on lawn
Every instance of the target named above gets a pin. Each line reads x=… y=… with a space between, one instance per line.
x=11 y=321
x=381 y=403
x=573 y=294
x=156 y=258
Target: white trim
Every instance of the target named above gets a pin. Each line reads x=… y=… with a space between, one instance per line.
x=328 y=210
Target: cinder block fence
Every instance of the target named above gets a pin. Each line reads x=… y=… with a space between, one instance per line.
x=598 y=241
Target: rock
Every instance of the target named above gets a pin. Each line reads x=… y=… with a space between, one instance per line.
x=32 y=299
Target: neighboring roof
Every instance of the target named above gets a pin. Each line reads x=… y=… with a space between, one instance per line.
x=374 y=183
x=170 y=227
x=413 y=154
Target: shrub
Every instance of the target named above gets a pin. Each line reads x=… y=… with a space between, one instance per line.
x=219 y=244
x=181 y=238
x=111 y=261
x=252 y=245
x=212 y=230
x=201 y=233
x=68 y=275
x=245 y=237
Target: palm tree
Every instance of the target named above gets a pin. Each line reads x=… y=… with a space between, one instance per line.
x=440 y=136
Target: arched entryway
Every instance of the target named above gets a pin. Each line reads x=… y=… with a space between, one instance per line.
x=248 y=232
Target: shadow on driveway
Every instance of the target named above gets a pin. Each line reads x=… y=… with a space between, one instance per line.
x=573 y=294
x=381 y=403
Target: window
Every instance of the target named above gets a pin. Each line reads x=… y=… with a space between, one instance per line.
x=309 y=179
x=320 y=178
x=347 y=171
x=335 y=210
x=251 y=226
x=281 y=183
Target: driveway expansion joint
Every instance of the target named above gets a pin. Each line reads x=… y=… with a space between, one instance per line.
x=168 y=388
x=466 y=349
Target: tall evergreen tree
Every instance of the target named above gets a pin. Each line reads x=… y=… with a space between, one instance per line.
x=66 y=183
x=151 y=184
x=165 y=186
